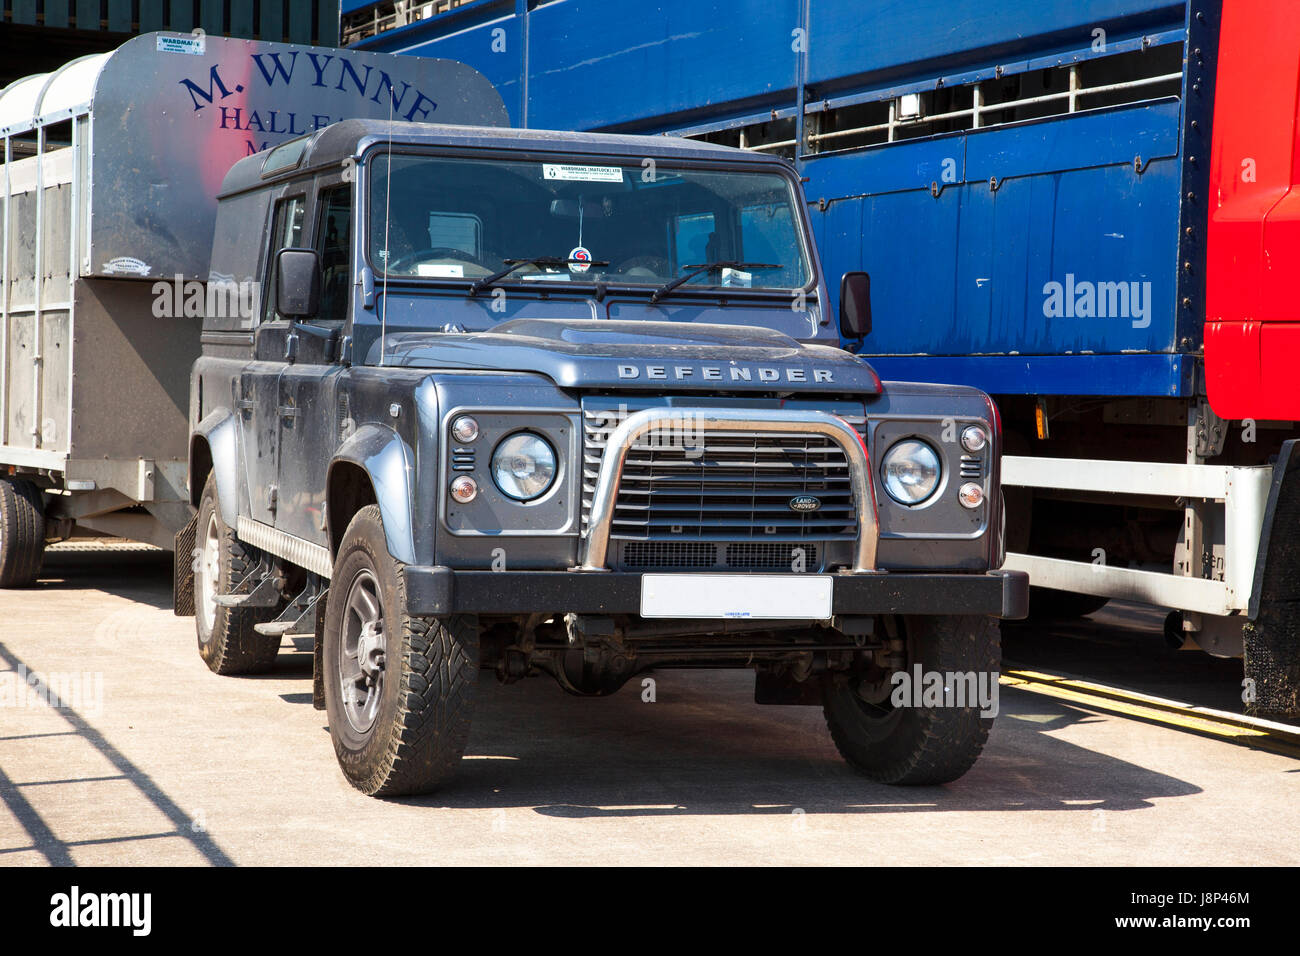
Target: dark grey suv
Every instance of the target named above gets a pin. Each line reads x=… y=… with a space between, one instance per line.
x=571 y=404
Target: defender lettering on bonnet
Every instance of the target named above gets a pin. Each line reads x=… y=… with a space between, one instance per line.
x=732 y=373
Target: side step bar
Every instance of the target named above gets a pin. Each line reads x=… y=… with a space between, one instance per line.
x=300 y=617
x=259 y=588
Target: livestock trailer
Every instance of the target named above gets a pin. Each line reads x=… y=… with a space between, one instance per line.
x=112 y=165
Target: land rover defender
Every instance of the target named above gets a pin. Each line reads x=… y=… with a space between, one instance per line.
x=571 y=404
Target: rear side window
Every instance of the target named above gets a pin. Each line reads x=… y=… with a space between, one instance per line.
x=333 y=242
x=286 y=233
x=236 y=261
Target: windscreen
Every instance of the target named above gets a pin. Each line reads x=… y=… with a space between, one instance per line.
x=629 y=223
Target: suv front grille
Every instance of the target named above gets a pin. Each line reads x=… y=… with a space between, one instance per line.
x=725 y=486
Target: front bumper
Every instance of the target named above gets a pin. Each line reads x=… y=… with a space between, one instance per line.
x=439 y=591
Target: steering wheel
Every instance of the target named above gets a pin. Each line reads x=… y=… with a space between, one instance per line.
x=436 y=252
x=647 y=267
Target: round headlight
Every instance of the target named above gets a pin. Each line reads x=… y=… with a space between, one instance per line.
x=910 y=471
x=523 y=466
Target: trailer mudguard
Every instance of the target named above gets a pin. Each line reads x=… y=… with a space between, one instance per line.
x=388 y=463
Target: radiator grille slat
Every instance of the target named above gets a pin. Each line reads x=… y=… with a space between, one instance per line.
x=705 y=556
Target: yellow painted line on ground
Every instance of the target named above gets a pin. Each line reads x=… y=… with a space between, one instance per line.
x=1272 y=727
x=1232 y=728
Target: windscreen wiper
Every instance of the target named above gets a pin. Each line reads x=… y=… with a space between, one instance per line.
x=546 y=262
x=695 y=270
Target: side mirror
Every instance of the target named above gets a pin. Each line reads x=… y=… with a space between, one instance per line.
x=297 y=283
x=855 y=305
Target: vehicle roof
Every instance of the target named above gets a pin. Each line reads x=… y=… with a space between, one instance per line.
x=332 y=144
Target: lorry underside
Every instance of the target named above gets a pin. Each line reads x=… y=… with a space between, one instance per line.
x=1139 y=510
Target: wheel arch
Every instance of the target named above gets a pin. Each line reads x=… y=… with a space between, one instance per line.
x=373 y=466
x=214 y=449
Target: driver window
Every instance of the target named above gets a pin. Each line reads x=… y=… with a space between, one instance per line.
x=333 y=244
x=286 y=233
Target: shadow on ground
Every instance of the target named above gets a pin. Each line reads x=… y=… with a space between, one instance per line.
x=703 y=747
x=42 y=837
x=137 y=575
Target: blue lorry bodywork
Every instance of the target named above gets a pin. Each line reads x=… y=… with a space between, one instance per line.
x=980 y=242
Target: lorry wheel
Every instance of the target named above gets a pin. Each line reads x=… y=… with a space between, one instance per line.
x=22 y=533
x=399 y=689
x=227 y=642
x=1048 y=604
x=916 y=745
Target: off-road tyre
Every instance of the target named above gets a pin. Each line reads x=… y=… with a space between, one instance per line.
x=227 y=642
x=913 y=746
x=424 y=694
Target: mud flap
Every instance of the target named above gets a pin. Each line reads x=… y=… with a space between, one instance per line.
x=1272 y=664
x=1271 y=651
x=183 y=569
x=318 y=669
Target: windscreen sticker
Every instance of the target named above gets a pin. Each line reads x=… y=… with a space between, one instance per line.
x=583 y=258
x=582 y=174
x=192 y=43
x=440 y=270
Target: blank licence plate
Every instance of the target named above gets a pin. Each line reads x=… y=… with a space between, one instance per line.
x=757 y=596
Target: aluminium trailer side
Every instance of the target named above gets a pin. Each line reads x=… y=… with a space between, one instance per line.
x=112 y=164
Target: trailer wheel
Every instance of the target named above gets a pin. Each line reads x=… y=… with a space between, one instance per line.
x=22 y=533
x=227 y=642
x=917 y=745
x=399 y=689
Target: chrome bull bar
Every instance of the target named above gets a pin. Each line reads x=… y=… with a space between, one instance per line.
x=759 y=421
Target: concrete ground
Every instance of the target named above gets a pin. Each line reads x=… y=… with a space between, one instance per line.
x=156 y=760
